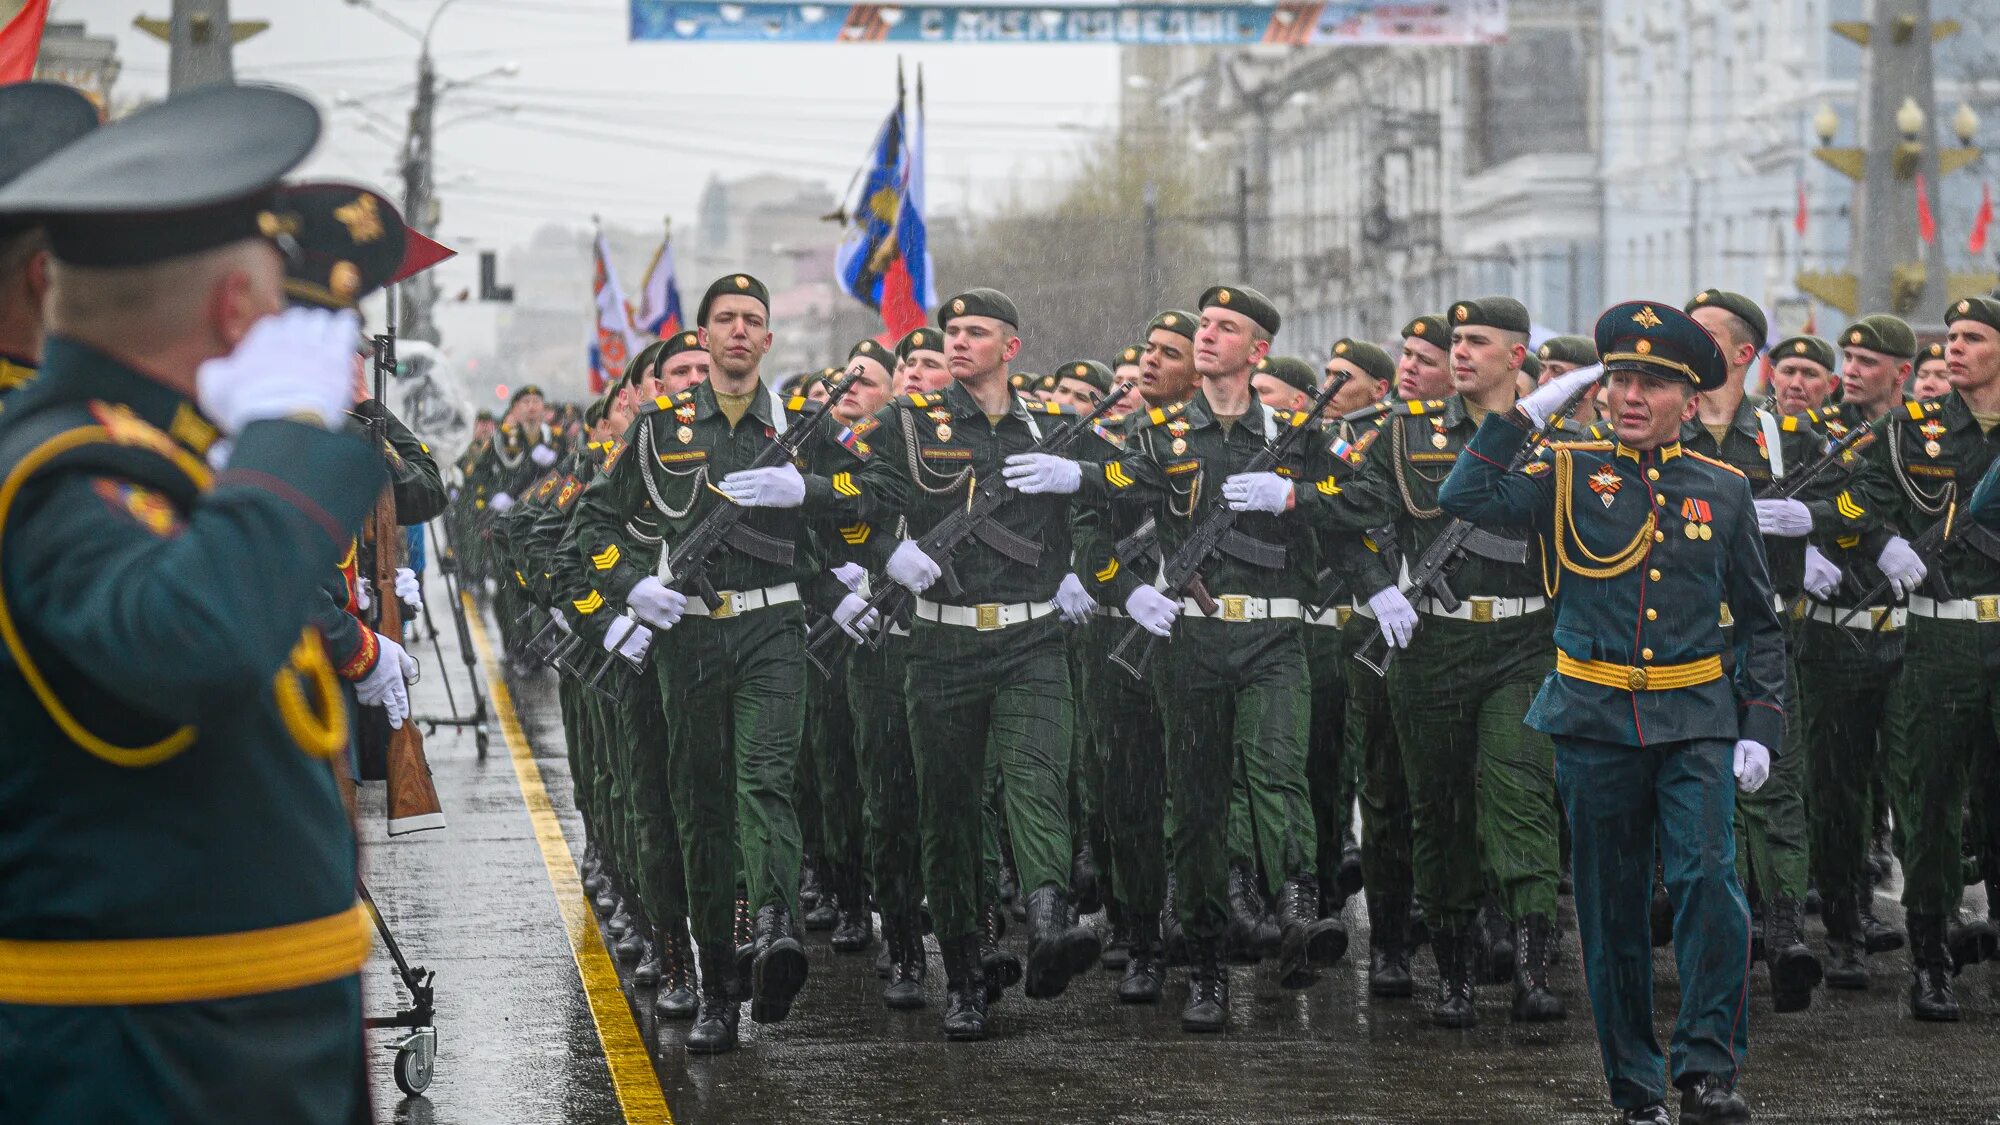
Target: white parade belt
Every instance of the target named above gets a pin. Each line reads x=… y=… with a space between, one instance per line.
x=984 y=617
x=1984 y=608
x=736 y=602
x=1241 y=607
x=1484 y=609
x=1866 y=621
x=1335 y=616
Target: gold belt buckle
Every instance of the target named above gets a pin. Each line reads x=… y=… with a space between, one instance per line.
x=1343 y=614
x=1482 y=610
x=1636 y=679
x=1875 y=615
x=1987 y=606
x=1235 y=607
x=986 y=616
x=728 y=607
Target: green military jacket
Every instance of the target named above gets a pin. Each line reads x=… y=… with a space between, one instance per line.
x=508 y=466
x=1927 y=464
x=848 y=534
x=15 y=373
x=169 y=711
x=1746 y=448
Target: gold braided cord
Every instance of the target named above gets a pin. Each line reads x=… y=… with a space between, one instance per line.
x=1612 y=565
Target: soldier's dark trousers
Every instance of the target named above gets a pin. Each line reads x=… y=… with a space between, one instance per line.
x=1234 y=695
x=1844 y=697
x=1130 y=776
x=1944 y=730
x=734 y=697
x=1329 y=769
x=1001 y=696
x=569 y=698
x=835 y=778
x=1771 y=823
x=653 y=834
x=1621 y=800
x=1370 y=735
x=888 y=775
x=1479 y=779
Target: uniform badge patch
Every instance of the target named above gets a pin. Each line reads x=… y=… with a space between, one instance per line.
x=1606 y=483
x=149 y=509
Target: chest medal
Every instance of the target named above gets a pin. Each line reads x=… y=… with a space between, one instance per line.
x=1932 y=431
x=685 y=434
x=1606 y=483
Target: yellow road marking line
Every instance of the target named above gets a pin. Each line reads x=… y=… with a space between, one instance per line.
x=633 y=1078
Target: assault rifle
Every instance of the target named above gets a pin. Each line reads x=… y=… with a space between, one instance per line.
x=974 y=521
x=1850 y=442
x=1216 y=532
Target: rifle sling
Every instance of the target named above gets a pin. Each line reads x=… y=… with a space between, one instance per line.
x=1255 y=552
x=1009 y=543
x=757 y=545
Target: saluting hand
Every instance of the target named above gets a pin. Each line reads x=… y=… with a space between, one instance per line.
x=298 y=364
x=1543 y=400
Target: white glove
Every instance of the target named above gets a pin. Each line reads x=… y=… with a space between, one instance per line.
x=364 y=595
x=299 y=363
x=912 y=568
x=1753 y=765
x=1257 y=492
x=1787 y=519
x=1394 y=613
x=854 y=617
x=1901 y=566
x=500 y=502
x=542 y=455
x=779 y=486
x=1072 y=602
x=1154 y=611
x=1036 y=473
x=656 y=604
x=1544 y=400
x=1822 y=577
x=384 y=686
x=218 y=455
x=409 y=591
x=627 y=639
x=851 y=575
x=562 y=623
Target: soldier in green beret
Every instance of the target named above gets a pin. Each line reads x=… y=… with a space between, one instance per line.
x=1933 y=375
x=1126 y=369
x=1531 y=374
x=682 y=362
x=1081 y=383
x=1803 y=374
x=920 y=362
x=1285 y=383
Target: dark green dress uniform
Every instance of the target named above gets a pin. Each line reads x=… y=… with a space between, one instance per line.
x=37 y=119
x=1946 y=721
x=509 y=468
x=1643 y=717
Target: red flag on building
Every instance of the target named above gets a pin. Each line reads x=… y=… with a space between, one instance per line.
x=21 y=41
x=1976 y=242
x=1799 y=219
x=1926 y=224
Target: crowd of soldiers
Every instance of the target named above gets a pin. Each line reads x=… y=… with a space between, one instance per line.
x=915 y=673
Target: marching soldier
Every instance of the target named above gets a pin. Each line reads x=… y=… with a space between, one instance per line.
x=1648 y=729
x=1803 y=374
x=1933 y=377
x=148 y=747
x=36 y=120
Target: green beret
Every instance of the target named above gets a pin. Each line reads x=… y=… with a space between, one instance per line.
x=1089 y=371
x=524 y=391
x=1045 y=383
x=1504 y=313
x=484 y=416
x=980 y=302
x=920 y=340
x=642 y=364
x=598 y=408
x=1745 y=310
x=1293 y=371
x=671 y=346
x=1429 y=328
x=1241 y=299
x=1985 y=310
x=1579 y=350
x=872 y=350
x=1935 y=351
x=1882 y=333
x=741 y=284
x=1368 y=357
x=1531 y=366
x=1177 y=321
x=1022 y=380
x=1132 y=354
x=1805 y=347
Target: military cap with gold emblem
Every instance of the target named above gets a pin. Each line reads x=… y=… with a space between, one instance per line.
x=1370 y=358
x=1933 y=352
x=867 y=349
x=1022 y=380
x=1743 y=308
x=1177 y=321
x=925 y=339
x=192 y=173
x=1985 y=310
x=1087 y=371
x=1806 y=347
x=687 y=340
x=1245 y=300
x=1659 y=339
x=980 y=302
x=733 y=285
x=598 y=408
x=1577 y=350
x=1882 y=333
x=1131 y=355
x=351 y=243
x=523 y=391
x=646 y=363
x=1504 y=313
x=1429 y=328
x=1292 y=371
x=1045 y=384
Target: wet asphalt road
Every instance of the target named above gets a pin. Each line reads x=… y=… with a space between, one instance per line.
x=518 y=1041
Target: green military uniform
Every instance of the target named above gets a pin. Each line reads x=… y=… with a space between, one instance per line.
x=38 y=119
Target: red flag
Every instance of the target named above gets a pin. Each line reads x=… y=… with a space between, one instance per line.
x=1799 y=219
x=21 y=41
x=1926 y=225
x=420 y=252
x=1976 y=243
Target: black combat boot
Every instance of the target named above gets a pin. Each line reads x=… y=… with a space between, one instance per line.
x=965 y=989
x=1144 y=970
x=1247 y=933
x=999 y=968
x=824 y=914
x=1534 y=1000
x=1877 y=936
x=1707 y=1099
x=855 y=931
x=1495 y=964
x=905 y=991
x=646 y=973
x=882 y=961
x=620 y=922
x=1931 y=999
x=1456 y=948
x=606 y=899
x=1118 y=944
x=1058 y=946
x=593 y=870
x=1348 y=880
x=1655 y=1114
x=631 y=948
x=780 y=968
x=676 y=998
x=1086 y=880
x=1173 y=940
x=1307 y=940
x=1389 y=948
x=1971 y=941
x=1846 y=959
x=1208 y=988
x=810 y=888
x=1795 y=969
x=714 y=1029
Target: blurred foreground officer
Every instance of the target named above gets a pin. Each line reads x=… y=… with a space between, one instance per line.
x=36 y=120
x=169 y=713
x=1647 y=536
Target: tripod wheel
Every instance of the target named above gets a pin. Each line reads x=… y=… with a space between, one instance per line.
x=416 y=1061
